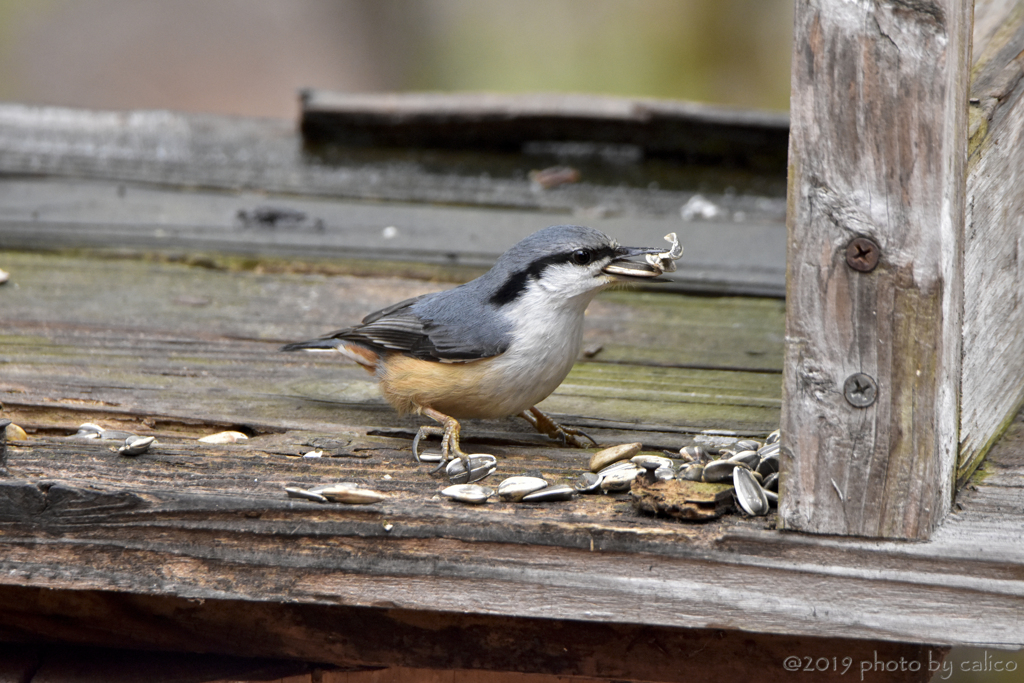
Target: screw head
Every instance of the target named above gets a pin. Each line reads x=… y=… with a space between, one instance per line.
x=862 y=254
x=860 y=390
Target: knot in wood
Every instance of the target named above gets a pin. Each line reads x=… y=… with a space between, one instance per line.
x=862 y=254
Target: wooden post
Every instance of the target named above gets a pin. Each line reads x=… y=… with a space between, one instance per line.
x=993 y=355
x=878 y=147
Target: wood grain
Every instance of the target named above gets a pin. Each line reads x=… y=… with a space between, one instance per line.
x=180 y=351
x=878 y=149
x=993 y=348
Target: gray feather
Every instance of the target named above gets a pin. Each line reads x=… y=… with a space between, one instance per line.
x=464 y=323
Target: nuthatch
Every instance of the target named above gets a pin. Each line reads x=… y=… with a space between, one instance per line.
x=498 y=345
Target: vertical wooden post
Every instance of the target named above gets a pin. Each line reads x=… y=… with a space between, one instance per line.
x=878 y=147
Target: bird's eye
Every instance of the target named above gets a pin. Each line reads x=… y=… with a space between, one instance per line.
x=581 y=257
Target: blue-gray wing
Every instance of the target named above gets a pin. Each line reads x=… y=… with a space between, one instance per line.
x=400 y=328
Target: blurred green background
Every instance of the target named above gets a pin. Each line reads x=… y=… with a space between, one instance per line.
x=251 y=56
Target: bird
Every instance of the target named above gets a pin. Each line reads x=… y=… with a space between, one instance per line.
x=496 y=346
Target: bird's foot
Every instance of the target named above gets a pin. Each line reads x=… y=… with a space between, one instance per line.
x=449 y=433
x=569 y=436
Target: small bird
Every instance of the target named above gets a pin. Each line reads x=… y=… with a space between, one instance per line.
x=496 y=346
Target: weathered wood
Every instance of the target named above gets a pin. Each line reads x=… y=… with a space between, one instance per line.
x=694 y=132
x=126 y=328
x=878 y=150
x=746 y=257
x=391 y=636
x=179 y=352
x=993 y=348
x=61 y=663
x=233 y=153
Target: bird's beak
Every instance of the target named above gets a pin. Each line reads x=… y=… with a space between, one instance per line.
x=624 y=269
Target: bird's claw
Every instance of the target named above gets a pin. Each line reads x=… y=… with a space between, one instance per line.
x=449 y=433
x=568 y=436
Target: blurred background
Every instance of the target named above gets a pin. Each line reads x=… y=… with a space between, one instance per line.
x=251 y=56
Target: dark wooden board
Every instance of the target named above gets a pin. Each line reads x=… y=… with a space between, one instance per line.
x=662 y=128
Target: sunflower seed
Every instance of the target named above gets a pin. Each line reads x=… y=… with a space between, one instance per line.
x=664 y=474
x=771 y=482
x=773 y=437
x=349 y=493
x=514 y=488
x=768 y=464
x=88 y=430
x=430 y=456
x=296 y=492
x=616 y=466
x=480 y=465
x=692 y=472
x=13 y=432
x=550 y=494
x=468 y=493
x=746 y=458
x=719 y=470
x=694 y=454
x=588 y=482
x=749 y=494
x=605 y=457
x=746 y=445
x=650 y=462
x=224 y=437
x=619 y=480
x=136 y=445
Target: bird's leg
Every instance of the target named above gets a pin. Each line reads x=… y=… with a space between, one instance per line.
x=449 y=433
x=569 y=436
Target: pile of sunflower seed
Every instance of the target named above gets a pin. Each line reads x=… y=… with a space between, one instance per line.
x=513 y=489
x=751 y=466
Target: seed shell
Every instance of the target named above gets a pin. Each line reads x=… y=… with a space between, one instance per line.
x=468 y=493
x=650 y=462
x=224 y=437
x=749 y=494
x=514 y=488
x=550 y=494
x=349 y=493
x=619 y=480
x=136 y=445
x=480 y=466
x=605 y=457
x=588 y=482
x=296 y=492
x=719 y=470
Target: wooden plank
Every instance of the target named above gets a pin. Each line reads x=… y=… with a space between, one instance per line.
x=661 y=128
x=60 y=663
x=455 y=241
x=449 y=647
x=877 y=150
x=234 y=153
x=993 y=348
x=179 y=352
x=126 y=326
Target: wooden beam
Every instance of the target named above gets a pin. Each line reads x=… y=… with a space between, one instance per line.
x=877 y=152
x=993 y=347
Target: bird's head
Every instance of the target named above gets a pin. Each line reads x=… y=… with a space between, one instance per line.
x=567 y=262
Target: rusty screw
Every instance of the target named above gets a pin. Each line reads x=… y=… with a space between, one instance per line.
x=862 y=254
x=860 y=390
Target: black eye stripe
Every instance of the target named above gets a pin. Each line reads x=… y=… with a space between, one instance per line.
x=516 y=284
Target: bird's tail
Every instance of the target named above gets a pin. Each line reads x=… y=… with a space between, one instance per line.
x=368 y=358
x=328 y=344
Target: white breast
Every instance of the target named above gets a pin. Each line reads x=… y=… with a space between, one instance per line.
x=545 y=344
